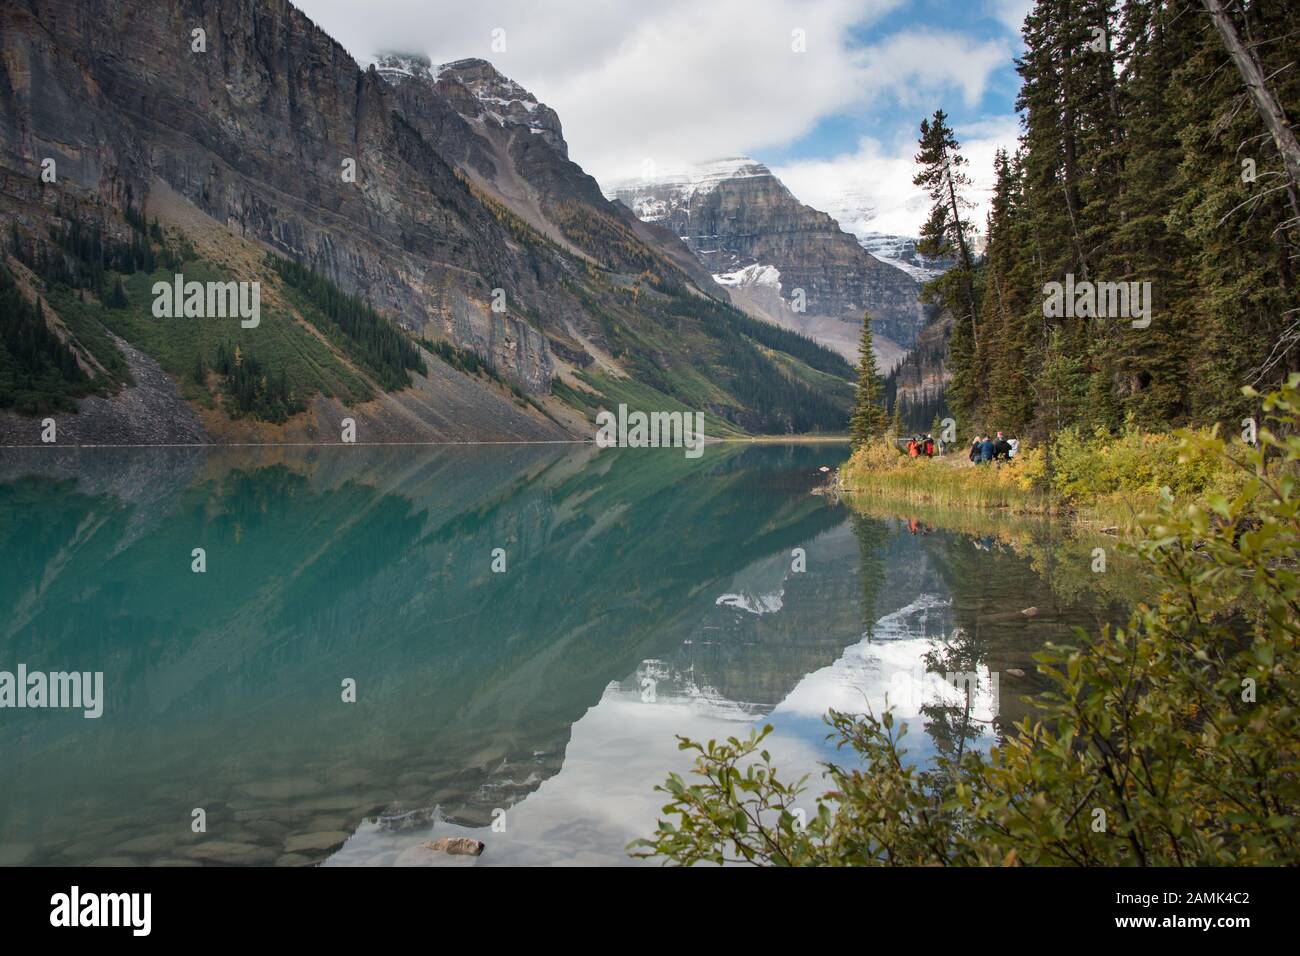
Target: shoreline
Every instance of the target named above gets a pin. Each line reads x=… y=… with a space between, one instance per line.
x=940 y=484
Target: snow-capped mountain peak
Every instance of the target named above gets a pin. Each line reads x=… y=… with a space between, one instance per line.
x=655 y=194
x=478 y=92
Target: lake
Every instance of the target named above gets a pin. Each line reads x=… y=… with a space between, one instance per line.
x=526 y=629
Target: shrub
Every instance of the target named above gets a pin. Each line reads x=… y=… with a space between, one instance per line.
x=880 y=470
x=1172 y=741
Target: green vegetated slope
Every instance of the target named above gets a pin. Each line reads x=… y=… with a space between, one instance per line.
x=97 y=285
x=39 y=371
x=685 y=348
x=608 y=392
x=680 y=351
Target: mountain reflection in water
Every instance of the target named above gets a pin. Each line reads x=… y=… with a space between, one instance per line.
x=645 y=595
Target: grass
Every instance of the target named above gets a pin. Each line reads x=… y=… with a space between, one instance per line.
x=880 y=473
x=1099 y=479
x=609 y=392
x=279 y=341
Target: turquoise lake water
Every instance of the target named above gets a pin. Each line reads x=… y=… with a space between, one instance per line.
x=644 y=595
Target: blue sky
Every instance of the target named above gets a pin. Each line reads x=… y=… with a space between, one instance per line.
x=979 y=22
x=660 y=85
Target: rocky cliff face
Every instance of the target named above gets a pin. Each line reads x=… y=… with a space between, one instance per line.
x=900 y=252
x=477 y=91
x=256 y=129
x=513 y=147
x=734 y=213
x=922 y=375
x=443 y=197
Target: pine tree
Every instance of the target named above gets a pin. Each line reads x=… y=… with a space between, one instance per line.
x=946 y=235
x=868 y=421
x=1145 y=158
x=117 y=296
x=1239 y=215
x=1006 y=311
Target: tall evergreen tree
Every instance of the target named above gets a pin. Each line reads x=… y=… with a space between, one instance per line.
x=1006 y=312
x=869 y=420
x=1239 y=213
x=947 y=234
x=1148 y=155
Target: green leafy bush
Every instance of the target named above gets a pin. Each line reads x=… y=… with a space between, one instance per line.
x=1133 y=461
x=1174 y=741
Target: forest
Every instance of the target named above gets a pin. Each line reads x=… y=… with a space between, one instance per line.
x=1149 y=154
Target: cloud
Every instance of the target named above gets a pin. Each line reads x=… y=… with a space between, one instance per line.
x=1012 y=13
x=679 y=81
x=915 y=65
x=870 y=189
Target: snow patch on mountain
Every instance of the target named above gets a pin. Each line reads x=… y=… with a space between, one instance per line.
x=496 y=97
x=397 y=68
x=753 y=603
x=900 y=252
x=757 y=274
x=680 y=184
x=857 y=216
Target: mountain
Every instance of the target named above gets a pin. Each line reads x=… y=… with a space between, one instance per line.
x=900 y=252
x=433 y=265
x=760 y=242
x=512 y=147
x=920 y=380
x=858 y=214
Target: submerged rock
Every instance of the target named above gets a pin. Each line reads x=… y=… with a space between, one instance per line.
x=322 y=840
x=458 y=846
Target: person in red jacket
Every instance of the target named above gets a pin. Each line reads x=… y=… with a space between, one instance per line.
x=912 y=448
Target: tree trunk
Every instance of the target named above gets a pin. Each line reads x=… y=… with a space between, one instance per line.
x=967 y=265
x=1265 y=102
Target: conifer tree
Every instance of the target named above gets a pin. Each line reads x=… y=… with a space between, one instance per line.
x=1005 y=309
x=117 y=295
x=868 y=421
x=946 y=235
x=1148 y=155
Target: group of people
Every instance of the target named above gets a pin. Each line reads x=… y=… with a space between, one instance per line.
x=984 y=449
x=921 y=446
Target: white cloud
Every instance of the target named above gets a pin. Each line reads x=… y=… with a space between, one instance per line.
x=1012 y=13
x=678 y=81
x=870 y=189
x=917 y=64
